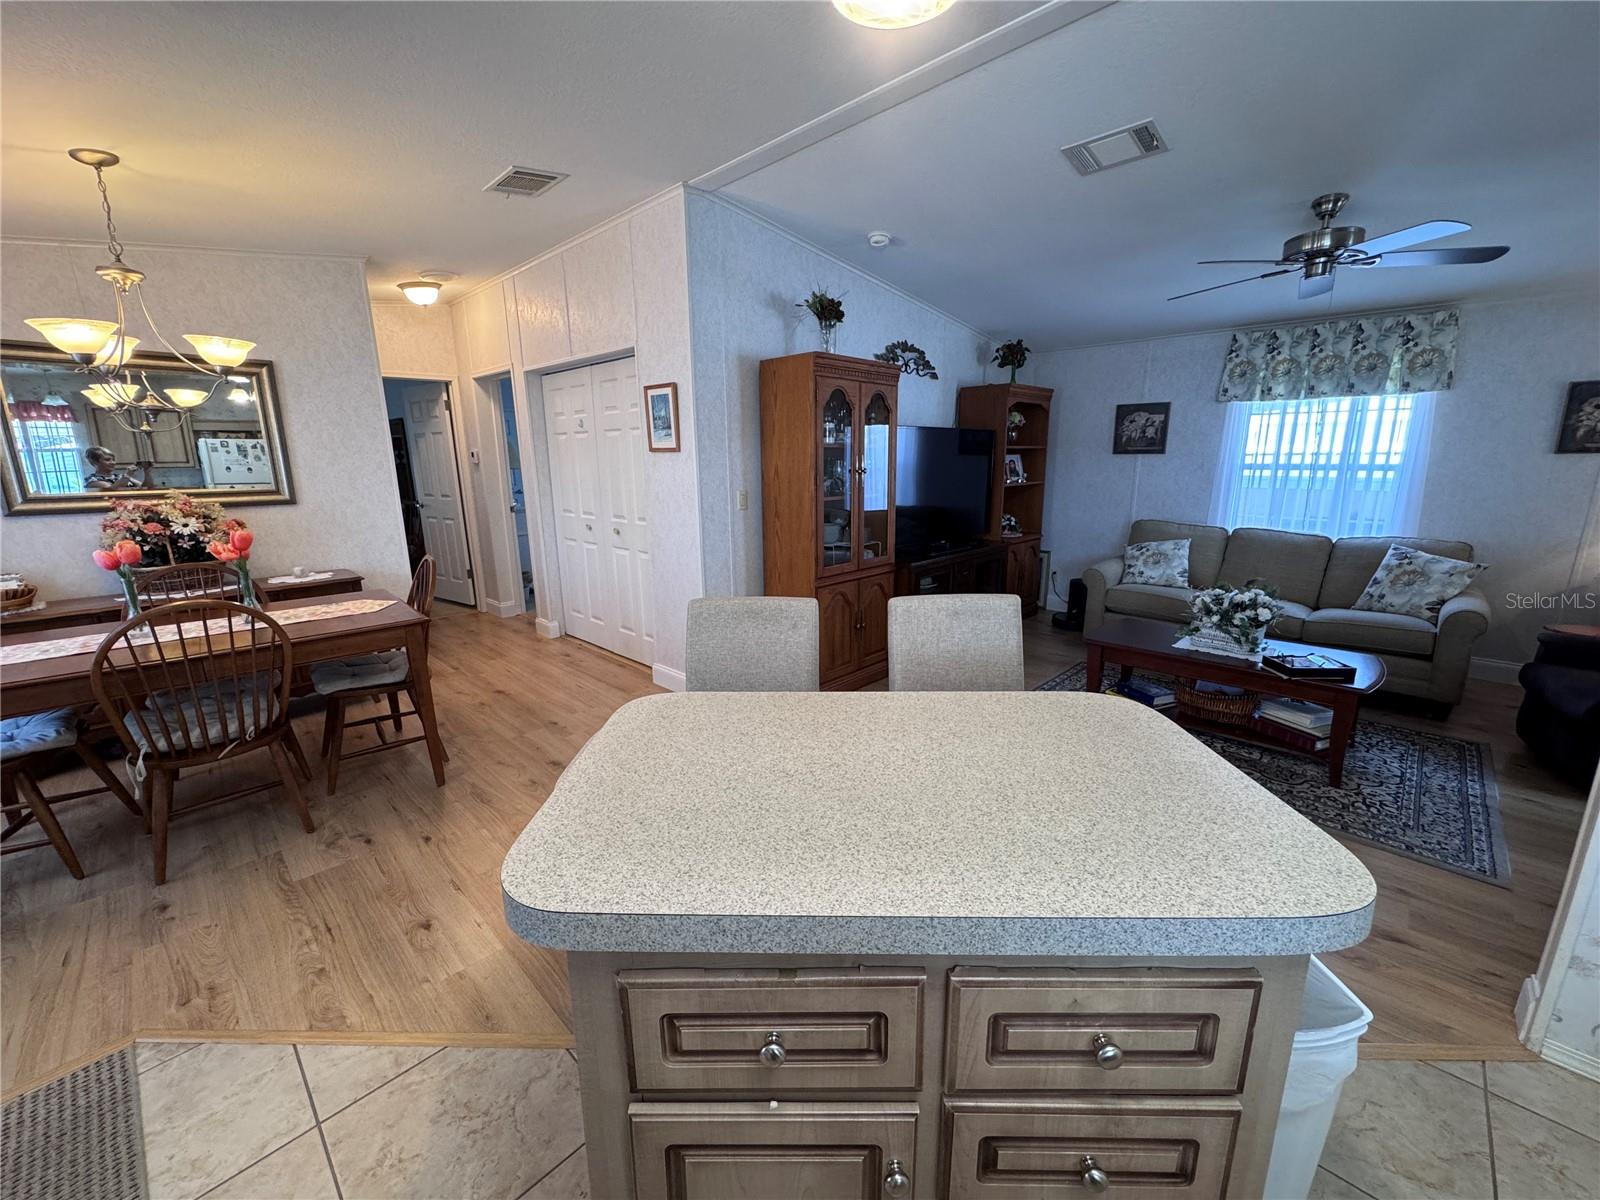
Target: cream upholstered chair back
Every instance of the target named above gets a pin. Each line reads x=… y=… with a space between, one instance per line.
x=752 y=644
x=955 y=644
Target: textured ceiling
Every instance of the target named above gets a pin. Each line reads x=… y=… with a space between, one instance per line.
x=370 y=128
x=1484 y=113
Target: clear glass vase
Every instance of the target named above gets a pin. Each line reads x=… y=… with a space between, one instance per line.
x=826 y=328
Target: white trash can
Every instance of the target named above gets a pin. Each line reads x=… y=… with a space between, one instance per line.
x=1332 y=1021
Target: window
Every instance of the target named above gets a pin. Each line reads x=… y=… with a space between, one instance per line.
x=52 y=456
x=1341 y=466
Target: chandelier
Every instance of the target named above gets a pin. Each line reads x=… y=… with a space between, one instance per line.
x=103 y=350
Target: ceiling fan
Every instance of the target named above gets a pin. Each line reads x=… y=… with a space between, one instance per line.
x=1315 y=254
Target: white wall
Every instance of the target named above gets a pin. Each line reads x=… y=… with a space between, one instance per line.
x=1493 y=479
x=310 y=317
x=621 y=288
x=745 y=278
x=414 y=341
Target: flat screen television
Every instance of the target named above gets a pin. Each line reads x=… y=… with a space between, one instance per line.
x=941 y=486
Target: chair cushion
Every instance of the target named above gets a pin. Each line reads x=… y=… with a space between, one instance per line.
x=1162 y=564
x=1416 y=583
x=1381 y=632
x=214 y=712
x=1206 y=544
x=1571 y=691
x=1353 y=561
x=1292 y=564
x=361 y=673
x=1290 y=622
x=1148 y=600
x=36 y=732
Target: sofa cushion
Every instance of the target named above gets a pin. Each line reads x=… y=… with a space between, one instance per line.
x=1353 y=561
x=1416 y=583
x=1148 y=600
x=1292 y=564
x=1206 y=544
x=1163 y=564
x=1290 y=621
x=1380 y=632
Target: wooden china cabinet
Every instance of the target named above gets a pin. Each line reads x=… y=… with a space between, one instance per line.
x=827 y=500
x=989 y=406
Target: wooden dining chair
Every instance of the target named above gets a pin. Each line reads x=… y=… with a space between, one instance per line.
x=190 y=581
x=26 y=743
x=373 y=677
x=192 y=683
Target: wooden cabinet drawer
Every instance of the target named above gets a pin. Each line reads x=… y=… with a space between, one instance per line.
x=706 y=1030
x=750 y=1150
x=1037 y=1030
x=1149 y=1149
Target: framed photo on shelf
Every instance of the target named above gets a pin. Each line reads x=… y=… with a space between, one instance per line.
x=1580 y=422
x=1141 y=429
x=661 y=409
x=1014 y=469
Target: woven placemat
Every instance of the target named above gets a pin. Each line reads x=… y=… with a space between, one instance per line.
x=79 y=1137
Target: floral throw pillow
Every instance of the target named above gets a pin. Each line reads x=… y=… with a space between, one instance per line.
x=1164 y=564
x=1415 y=583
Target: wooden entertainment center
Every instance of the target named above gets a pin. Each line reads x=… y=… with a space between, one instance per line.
x=828 y=437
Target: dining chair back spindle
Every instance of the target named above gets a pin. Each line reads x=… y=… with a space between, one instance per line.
x=190 y=683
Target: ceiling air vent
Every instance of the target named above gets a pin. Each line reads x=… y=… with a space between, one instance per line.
x=524 y=181
x=1115 y=148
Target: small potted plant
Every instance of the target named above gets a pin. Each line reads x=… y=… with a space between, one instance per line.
x=1231 y=621
x=1011 y=354
x=829 y=312
x=1014 y=423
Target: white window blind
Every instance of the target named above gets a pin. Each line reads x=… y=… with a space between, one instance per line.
x=52 y=456
x=1342 y=466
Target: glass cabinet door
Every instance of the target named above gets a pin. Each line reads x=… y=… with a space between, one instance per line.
x=837 y=463
x=876 y=474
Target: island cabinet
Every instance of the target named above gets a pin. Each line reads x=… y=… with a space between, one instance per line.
x=816 y=954
x=827 y=502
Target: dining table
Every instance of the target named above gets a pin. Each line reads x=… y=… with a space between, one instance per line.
x=342 y=626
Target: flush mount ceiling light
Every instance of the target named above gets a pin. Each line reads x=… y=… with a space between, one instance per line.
x=424 y=289
x=879 y=238
x=891 y=14
x=102 y=350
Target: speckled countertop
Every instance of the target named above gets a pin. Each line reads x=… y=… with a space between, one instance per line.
x=1018 y=823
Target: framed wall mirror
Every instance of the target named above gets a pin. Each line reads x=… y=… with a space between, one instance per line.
x=68 y=450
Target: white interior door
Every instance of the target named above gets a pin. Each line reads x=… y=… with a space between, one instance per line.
x=438 y=484
x=595 y=419
x=619 y=414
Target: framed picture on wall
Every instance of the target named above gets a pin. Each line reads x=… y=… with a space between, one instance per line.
x=661 y=407
x=1140 y=429
x=1580 y=423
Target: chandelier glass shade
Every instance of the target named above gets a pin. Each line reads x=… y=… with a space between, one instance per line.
x=103 y=350
x=891 y=14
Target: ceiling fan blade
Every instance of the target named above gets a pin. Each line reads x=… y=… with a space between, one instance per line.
x=1439 y=258
x=1316 y=285
x=1411 y=235
x=1243 y=262
x=1213 y=288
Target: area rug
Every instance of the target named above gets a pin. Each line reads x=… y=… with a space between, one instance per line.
x=78 y=1137
x=1427 y=796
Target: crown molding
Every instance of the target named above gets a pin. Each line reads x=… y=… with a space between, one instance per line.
x=183 y=247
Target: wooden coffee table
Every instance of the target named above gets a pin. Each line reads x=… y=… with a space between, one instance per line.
x=1130 y=642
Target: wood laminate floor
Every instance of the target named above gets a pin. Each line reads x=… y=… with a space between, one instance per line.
x=386 y=923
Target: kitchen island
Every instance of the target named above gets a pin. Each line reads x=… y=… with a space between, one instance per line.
x=989 y=946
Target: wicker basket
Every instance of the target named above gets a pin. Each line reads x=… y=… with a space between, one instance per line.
x=18 y=600
x=1223 y=708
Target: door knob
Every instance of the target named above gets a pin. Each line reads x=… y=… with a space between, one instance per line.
x=1094 y=1179
x=589 y=527
x=1107 y=1054
x=896 y=1182
x=772 y=1051
x=616 y=532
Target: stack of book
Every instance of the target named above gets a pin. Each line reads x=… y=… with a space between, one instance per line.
x=1297 y=723
x=1155 y=695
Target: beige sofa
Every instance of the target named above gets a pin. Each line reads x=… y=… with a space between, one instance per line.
x=1318 y=580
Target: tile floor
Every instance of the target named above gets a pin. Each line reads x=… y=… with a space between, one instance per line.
x=247 y=1122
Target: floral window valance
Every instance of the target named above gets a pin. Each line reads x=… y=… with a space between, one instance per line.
x=1377 y=355
x=33 y=410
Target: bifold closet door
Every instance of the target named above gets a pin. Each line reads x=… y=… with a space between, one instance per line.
x=596 y=426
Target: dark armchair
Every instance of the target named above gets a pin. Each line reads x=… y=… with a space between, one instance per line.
x=1560 y=714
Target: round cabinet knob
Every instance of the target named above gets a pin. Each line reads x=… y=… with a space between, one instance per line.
x=1107 y=1054
x=1094 y=1179
x=772 y=1053
x=896 y=1182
